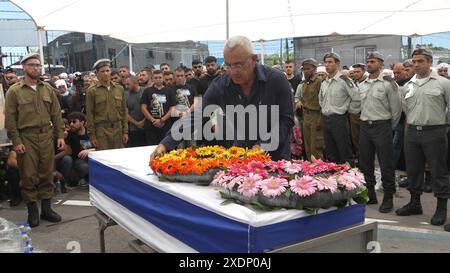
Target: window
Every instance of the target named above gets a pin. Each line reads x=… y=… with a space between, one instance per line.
x=361 y=53
x=150 y=54
x=169 y=56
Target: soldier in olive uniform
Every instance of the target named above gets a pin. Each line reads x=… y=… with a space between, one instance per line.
x=32 y=111
x=106 y=110
x=309 y=101
x=426 y=99
x=381 y=108
x=338 y=96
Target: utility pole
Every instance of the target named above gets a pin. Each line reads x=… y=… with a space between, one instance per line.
x=48 y=53
x=287 y=49
x=281 y=52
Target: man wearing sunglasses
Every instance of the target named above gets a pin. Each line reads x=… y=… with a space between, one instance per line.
x=32 y=112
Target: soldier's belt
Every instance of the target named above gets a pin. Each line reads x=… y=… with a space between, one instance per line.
x=35 y=130
x=424 y=127
x=115 y=124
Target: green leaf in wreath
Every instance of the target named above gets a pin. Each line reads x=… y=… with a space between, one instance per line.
x=341 y=203
x=362 y=196
x=258 y=205
x=311 y=210
x=227 y=201
x=287 y=193
x=298 y=205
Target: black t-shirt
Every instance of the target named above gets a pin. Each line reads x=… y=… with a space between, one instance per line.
x=295 y=81
x=78 y=143
x=204 y=83
x=184 y=94
x=158 y=102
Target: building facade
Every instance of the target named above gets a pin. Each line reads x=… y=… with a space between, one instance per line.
x=79 y=51
x=352 y=48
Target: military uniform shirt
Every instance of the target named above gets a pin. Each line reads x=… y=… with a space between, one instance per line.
x=426 y=103
x=103 y=105
x=29 y=108
x=380 y=100
x=310 y=94
x=336 y=94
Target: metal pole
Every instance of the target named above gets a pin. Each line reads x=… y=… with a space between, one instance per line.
x=414 y=41
x=262 y=51
x=227 y=20
x=41 y=48
x=130 y=57
x=48 y=53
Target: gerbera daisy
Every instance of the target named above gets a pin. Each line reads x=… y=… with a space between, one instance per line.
x=303 y=186
x=273 y=186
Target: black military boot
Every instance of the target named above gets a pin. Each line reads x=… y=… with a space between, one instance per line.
x=388 y=203
x=412 y=208
x=47 y=213
x=372 y=196
x=440 y=215
x=33 y=214
x=427 y=183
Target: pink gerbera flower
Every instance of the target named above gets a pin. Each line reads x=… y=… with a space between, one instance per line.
x=258 y=168
x=217 y=181
x=276 y=166
x=327 y=184
x=250 y=185
x=292 y=168
x=303 y=186
x=348 y=181
x=273 y=187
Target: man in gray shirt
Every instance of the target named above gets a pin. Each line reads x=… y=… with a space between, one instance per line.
x=380 y=112
x=426 y=98
x=136 y=119
x=337 y=94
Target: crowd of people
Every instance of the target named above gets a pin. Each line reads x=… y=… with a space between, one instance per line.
x=355 y=115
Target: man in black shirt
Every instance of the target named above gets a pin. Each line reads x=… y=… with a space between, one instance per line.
x=184 y=94
x=80 y=147
x=251 y=85
x=156 y=105
x=211 y=73
x=293 y=78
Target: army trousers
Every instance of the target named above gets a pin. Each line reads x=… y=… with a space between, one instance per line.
x=312 y=133
x=355 y=128
x=427 y=144
x=336 y=132
x=36 y=166
x=109 y=138
x=376 y=138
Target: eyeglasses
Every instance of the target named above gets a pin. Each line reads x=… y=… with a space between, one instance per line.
x=34 y=65
x=237 y=66
x=9 y=78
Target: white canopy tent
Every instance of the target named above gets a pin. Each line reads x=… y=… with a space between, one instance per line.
x=137 y=21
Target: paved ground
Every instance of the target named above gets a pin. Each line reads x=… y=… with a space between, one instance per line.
x=80 y=227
